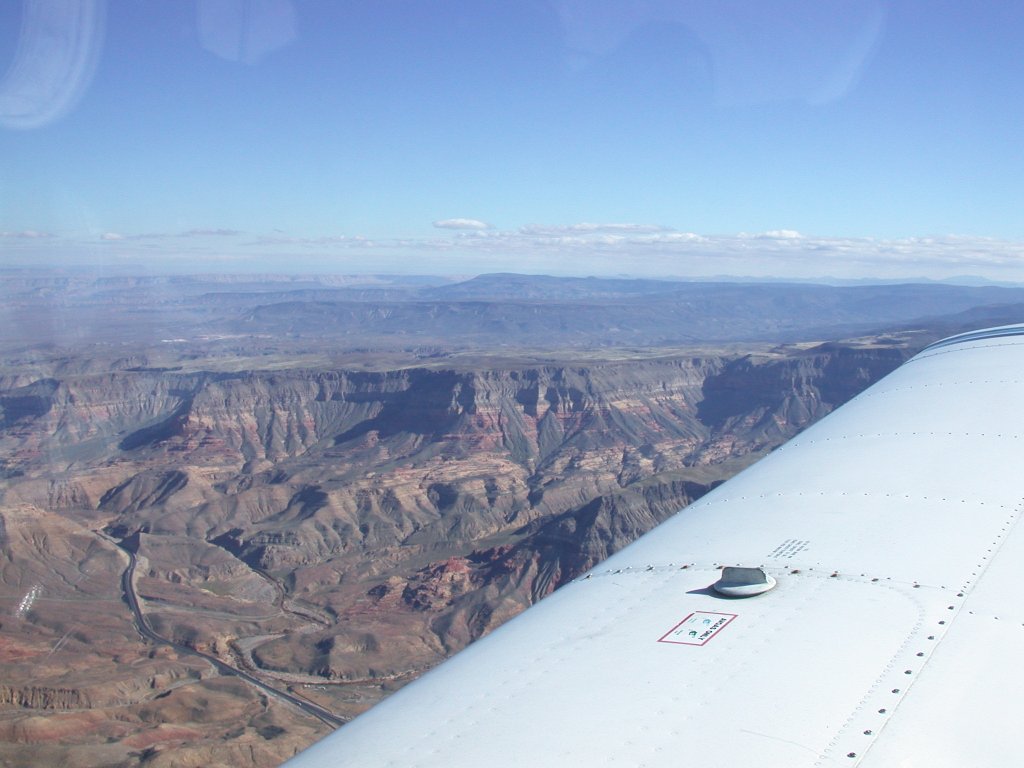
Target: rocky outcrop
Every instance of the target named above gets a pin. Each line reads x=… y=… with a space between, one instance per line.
x=35 y=697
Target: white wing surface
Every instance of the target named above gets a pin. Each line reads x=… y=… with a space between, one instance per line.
x=893 y=637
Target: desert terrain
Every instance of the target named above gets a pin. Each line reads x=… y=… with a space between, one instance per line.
x=235 y=512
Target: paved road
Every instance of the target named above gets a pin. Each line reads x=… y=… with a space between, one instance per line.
x=128 y=587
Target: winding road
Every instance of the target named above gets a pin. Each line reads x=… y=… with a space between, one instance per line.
x=128 y=587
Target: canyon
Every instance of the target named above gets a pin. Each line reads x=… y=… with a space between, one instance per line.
x=333 y=519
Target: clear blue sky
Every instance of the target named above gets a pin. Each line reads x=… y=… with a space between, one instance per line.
x=795 y=139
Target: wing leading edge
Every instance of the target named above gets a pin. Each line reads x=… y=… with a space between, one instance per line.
x=892 y=636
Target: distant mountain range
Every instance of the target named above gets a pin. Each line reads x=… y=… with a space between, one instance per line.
x=547 y=311
x=497 y=311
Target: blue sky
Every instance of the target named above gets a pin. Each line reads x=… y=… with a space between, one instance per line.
x=791 y=139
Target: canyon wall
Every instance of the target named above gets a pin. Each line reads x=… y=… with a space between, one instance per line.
x=342 y=531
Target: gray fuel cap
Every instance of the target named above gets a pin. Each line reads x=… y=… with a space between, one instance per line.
x=743 y=582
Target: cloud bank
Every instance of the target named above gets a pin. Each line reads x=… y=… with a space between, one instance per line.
x=652 y=250
x=470 y=246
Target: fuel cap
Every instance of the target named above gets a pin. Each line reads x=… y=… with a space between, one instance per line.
x=743 y=582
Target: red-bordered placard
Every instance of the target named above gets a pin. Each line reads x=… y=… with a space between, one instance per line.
x=698 y=628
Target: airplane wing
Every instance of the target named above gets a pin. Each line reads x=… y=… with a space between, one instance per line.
x=893 y=636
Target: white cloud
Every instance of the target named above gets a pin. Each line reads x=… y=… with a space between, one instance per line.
x=682 y=237
x=589 y=227
x=472 y=224
x=771 y=234
x=218 y=232
x=26 y=234
x=344 y=241
x=189 y=233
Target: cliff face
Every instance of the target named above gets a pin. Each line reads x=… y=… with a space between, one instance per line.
x=768 y=400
